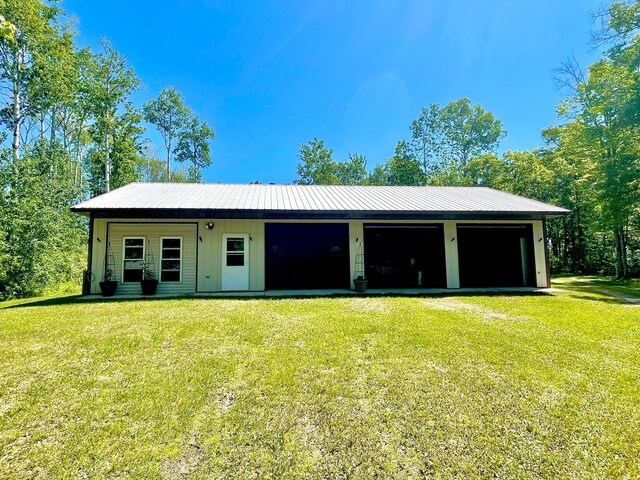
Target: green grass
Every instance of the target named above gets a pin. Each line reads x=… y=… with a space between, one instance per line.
x=606 y=285
x=522 y=386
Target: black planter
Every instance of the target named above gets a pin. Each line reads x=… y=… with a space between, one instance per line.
x=108 y=288
x=149 y=286
x=360 y=285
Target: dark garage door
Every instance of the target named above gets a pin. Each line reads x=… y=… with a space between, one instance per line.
x=404 y=256
x=496 y=256
x=306 y=256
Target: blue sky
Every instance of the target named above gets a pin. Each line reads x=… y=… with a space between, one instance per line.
x=269 y=76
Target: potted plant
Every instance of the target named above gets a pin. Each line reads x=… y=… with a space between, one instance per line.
x=149 y=282
x=360 y=284
x=109 y=284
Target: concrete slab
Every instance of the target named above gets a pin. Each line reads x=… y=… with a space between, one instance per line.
x=329 y=293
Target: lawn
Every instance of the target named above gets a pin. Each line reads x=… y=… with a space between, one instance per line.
x=522 y=386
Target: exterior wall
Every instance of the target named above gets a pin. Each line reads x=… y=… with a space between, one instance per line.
x=202 y=248
x=109 y=239
x=210 y=261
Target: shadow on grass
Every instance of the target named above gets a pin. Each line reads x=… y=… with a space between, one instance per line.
x=610 y=300
x=79 y=300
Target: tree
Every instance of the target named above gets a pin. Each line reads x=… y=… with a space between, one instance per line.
x=170 y=116
x=126 y=151
x=574 y=238
x=193 y=147
x=602 y=113
x=486 y=170
x=401 y=169
x=44 y=243
x=456 y=133
x=468 y=131
x=28 y=29
x=353 y=171
x=316 y=166
x=427 y=138
x=109 y=84
x=378 y=176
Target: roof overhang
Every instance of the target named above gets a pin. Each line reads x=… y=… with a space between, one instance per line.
x=315 y=214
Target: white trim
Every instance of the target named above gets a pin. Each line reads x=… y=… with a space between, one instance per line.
x=246 y=266
x=161 y=252
x=450 y=230
x=124 y=249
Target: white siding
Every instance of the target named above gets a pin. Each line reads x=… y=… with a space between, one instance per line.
x=210 y=249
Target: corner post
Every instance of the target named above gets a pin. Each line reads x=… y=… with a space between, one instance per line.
x=451 y=253
x=86 y=280
x=540 y=249
x=356 y=238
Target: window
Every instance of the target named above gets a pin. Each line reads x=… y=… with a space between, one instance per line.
x=171 y=259
x=132 y=259
x=235 y=252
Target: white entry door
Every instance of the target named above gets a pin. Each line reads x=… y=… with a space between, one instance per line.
x=235 y=261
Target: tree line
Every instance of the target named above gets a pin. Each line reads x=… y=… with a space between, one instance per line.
x=589 y=163
x=69 y=129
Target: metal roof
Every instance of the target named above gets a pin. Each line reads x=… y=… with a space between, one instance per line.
x=309 y=201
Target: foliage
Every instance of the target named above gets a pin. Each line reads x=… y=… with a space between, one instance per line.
x=401 y=169
x=68 y=130
x=170 y=116
x=316 y=166
x=353 y=171
x=193 y=147
x=125 y=149
x=455 y=133
x=44 y=243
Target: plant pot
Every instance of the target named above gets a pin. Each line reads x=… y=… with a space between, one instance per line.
x=149 y=286
x=108 y=288
x=360 y=285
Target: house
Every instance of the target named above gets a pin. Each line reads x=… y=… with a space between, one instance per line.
x=216 y=237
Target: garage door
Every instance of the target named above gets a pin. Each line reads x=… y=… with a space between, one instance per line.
x=404 y=256
x=307 y=256
x=496 y=256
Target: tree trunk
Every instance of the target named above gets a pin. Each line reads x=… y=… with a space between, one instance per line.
x=622 y=264
x=52 y=137
x=42 y=126
x=625 y=258
x=15 y=144
x=169 y=162
x=107 y=164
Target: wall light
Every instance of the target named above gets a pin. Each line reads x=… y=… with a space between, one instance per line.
x=210 y=226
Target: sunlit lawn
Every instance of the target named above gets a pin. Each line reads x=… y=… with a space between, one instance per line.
x=630 y=287
x=461 y=386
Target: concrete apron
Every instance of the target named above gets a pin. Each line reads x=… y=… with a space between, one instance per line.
x=329 y=293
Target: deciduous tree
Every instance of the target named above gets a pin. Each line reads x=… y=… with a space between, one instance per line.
x=170 y=116
x=193 y=147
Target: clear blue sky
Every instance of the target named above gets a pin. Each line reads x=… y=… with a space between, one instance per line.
x=270 y=75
